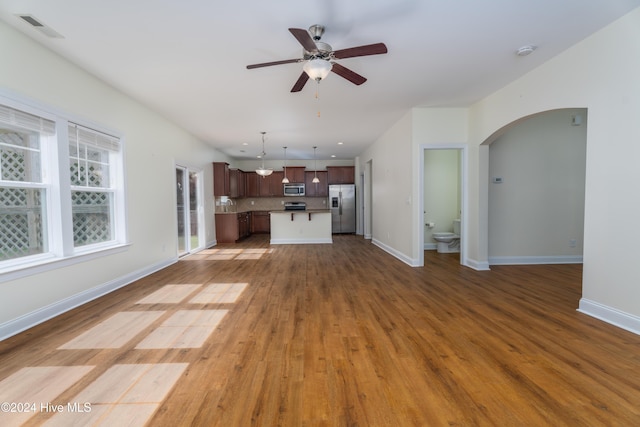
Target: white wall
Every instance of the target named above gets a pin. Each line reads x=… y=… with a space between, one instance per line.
x=152 y=146
x=392 y=190
x=536 y=214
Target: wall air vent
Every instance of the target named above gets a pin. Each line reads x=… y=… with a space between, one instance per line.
x=38 y=25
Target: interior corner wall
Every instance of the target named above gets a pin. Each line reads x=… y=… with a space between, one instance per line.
x=152 y=147
x=392 y=190
x=599 y=73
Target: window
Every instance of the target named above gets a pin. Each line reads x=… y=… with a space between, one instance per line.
x=23 y=194
x=61 y=189
x=91 y=155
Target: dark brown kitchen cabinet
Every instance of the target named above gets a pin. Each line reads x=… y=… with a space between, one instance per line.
x=320 y=189
x=264 y=186
x=237 y=184
x=232 y=227
x=260 y=222
x=244 y=224
x=221 y=183
x=341 y=175
x=296 y=174
x=275 y=184
x=252 y=184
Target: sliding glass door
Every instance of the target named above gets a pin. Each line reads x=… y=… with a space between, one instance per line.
x=189 y=210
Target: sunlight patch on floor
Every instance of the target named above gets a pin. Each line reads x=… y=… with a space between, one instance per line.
x=124 y=395
x=36 y=386
x=185 y=329
x=114 y=332
x=219 y=293
x=228 y=254
x=169 y=294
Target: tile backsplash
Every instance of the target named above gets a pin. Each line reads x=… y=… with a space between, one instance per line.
x=276 y=203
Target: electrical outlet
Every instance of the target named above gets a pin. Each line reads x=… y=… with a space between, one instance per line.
x=572 y=243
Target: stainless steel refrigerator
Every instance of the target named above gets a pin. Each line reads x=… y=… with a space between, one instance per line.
x=342 y=202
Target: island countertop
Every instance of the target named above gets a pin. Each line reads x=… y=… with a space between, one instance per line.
x=302 y=211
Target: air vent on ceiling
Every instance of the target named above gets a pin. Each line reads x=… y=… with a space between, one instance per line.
x=38 y=25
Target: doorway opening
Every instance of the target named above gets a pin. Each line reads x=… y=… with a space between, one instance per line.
x=443 y=189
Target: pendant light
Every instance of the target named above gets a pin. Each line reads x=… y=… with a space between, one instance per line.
x=261 y=170
x=285 y=180
x=315 y=167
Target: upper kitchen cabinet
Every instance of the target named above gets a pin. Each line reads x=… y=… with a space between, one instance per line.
x=320 y=189
x=341 y=174
x=252 y=181
x=237 y=183
x=221 y=183
x=295 y=174
x=276 y=185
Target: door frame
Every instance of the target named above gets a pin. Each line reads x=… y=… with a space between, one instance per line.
x=464 y=240
x=187 y=171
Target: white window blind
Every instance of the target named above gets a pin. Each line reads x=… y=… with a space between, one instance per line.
x=13 y=117
x=90 y=137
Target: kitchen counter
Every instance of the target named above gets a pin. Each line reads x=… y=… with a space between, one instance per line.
x=301 y=227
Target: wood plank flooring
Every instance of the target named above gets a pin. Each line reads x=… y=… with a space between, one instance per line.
x=328 y=335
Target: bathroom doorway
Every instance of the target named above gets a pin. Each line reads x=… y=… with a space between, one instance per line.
x=443 y=190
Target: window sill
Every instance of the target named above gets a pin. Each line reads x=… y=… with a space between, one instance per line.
x=41 y=265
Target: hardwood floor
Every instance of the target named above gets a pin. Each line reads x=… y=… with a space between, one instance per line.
x=328 y=335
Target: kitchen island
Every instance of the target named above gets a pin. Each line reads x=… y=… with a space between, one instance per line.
x=301 y=227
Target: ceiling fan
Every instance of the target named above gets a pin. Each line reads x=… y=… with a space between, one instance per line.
x=319 y=57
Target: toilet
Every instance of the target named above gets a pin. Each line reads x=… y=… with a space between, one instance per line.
x=449 y=242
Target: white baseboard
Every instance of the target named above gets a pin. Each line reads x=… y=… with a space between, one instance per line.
x=610 y=315
x=299 y=241
x=478 y=265
x=430 y=246
x=402 y=257
x=43 y=314
x=521 y=260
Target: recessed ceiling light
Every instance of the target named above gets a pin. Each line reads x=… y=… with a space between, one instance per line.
x=340 y=143
x=333 y=155
x=526 y=50
x=245 y=143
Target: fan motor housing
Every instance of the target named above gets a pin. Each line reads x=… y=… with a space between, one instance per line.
x=324 y=51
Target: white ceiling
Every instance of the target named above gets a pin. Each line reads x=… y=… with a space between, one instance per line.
x=187 y=59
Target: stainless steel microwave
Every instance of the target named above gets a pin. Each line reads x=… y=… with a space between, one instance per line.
x=293 y=189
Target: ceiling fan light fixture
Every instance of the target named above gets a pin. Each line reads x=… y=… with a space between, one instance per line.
x=317 y=68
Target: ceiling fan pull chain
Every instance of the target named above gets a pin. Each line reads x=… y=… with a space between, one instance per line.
x=318 y=95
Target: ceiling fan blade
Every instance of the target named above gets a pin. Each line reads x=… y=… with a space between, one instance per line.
x=302 y=80
x=352 y=76
x=304 y=38
x=268 y=64
x=370 y=49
